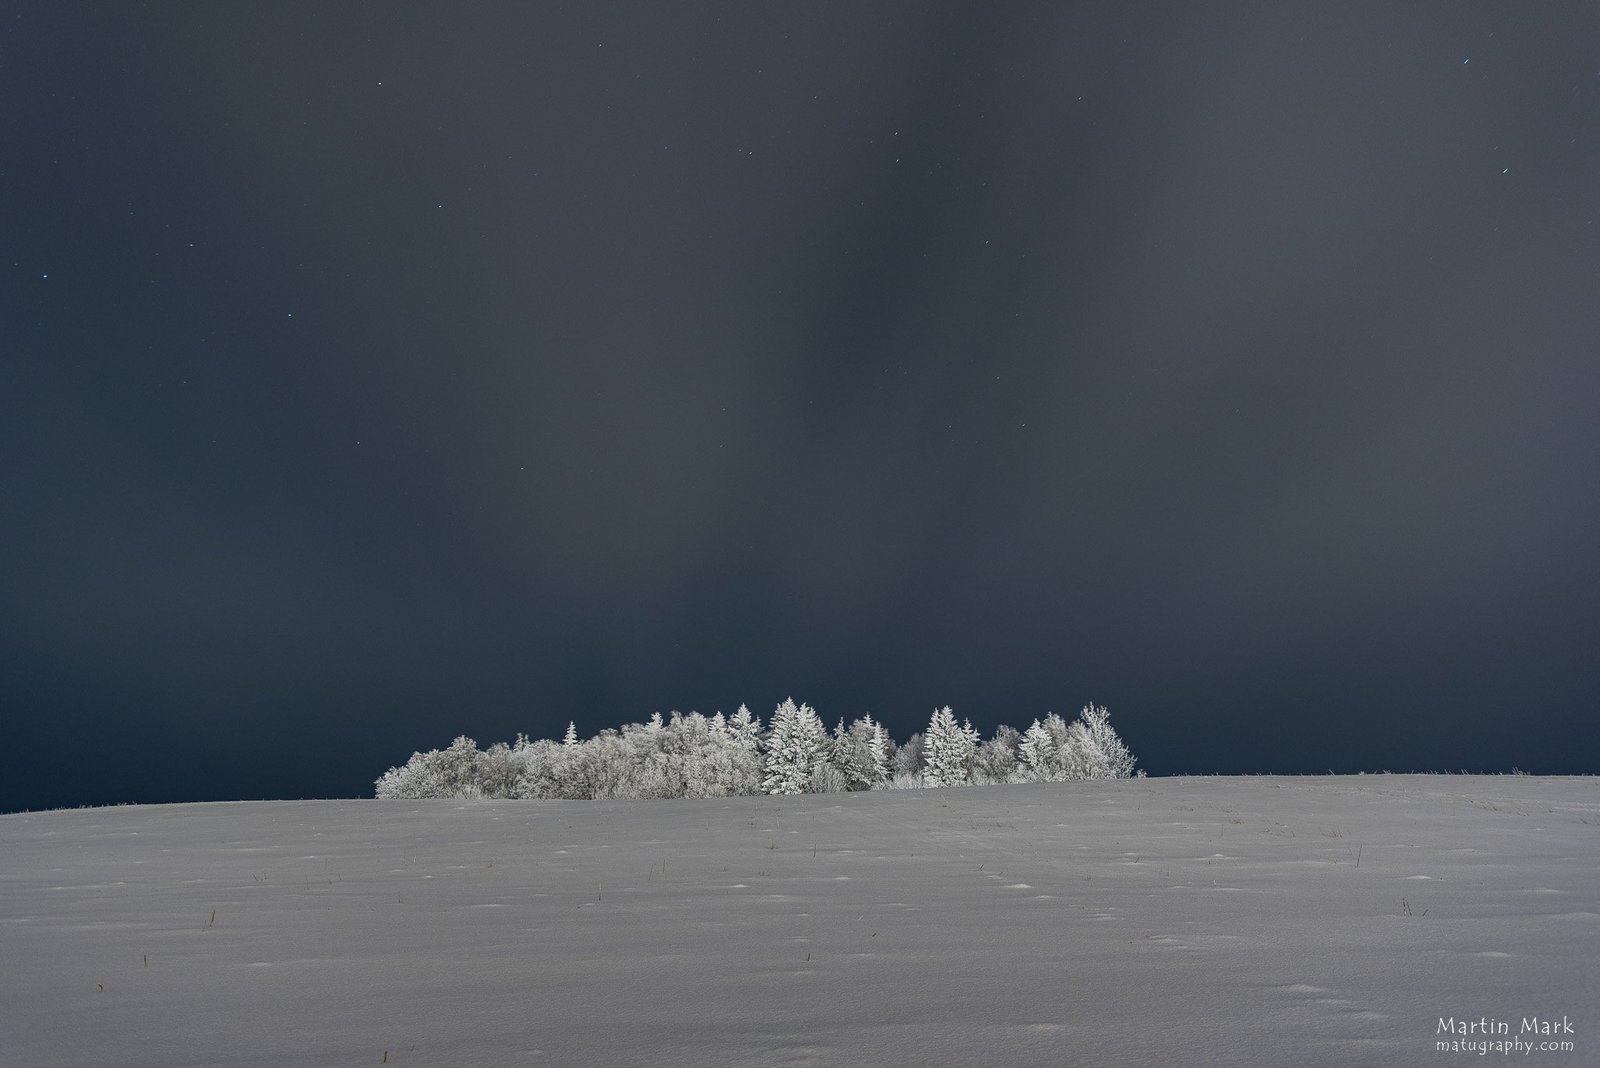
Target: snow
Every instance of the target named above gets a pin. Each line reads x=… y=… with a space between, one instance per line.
x=1211 y=921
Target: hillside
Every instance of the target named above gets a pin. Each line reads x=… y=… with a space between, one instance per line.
x=1218 y=921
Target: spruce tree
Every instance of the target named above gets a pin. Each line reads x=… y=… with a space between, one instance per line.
x=862 y=756
x=946 y=750
x=794 y=745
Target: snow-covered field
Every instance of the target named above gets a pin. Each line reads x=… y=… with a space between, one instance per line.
x=1207 y=921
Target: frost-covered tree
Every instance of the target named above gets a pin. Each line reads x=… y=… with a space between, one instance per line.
x=947 y=750
x=570 y=771
x=457 y=769
x=996 y=760
x=836 y=748
x=605 y=766
x=815 y=734
x=1053 y=750
x=534 y=765
x=694 y=757
x=861 y=754
x=906 y=766
x=658 y=759
x=1079 y=757
x=826 y=778
x=732 y=764
x=746 y=726
x=448 y=773
x=795 y=744
x=745 y=768
x=1036 y=754
x=1116 y=761
x=410 y=781
x=880 y=754
x=781 y=774
x=499 y=768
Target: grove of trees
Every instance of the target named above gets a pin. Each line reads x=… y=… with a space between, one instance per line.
x=699 y=756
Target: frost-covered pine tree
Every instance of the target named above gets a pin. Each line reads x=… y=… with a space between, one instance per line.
x=872 y=758
x=745 y=725
x=882 y=750
x=947 y=750
x=795 y=744
x=745 y=766
x=777 y=748
x=838 y=746
x=571 y=737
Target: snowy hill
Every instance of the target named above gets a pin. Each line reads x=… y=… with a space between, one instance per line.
x=1263 y=921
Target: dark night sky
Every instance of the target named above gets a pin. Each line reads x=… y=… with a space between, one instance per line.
x=376 y=373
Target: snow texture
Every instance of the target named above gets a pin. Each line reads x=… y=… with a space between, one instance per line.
x=1210 y=921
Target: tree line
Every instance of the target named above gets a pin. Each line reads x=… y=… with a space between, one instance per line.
x=716 y=756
